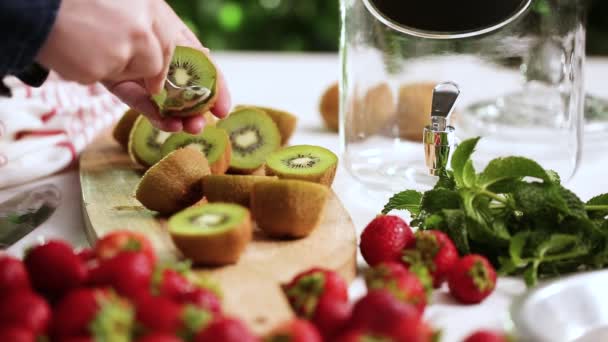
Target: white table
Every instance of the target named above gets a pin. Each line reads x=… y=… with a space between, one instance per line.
x=295 y=82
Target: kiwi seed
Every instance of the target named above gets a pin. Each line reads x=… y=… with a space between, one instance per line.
x=285 y=121
x=145 y=142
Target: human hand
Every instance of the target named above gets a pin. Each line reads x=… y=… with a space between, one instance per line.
x=126 y=45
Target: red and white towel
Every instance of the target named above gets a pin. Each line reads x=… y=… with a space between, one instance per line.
x=42 y=130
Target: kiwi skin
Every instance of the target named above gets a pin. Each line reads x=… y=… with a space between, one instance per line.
x=174 y=182
x=288 y=208
x=329 y=107
x=285 y=121
x=122 y=129
x=231 y=188
x=216 y=250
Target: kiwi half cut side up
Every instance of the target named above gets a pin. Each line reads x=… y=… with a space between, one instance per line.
x=195 y=75
x=145 y=142
x=212 y=141
x=304 y=162
x=253 y=136
x=286 y=122
x=123 y=127
x=174 y=182
x=213 y=234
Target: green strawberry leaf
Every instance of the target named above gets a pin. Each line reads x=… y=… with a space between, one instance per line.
x=461 y=156
x=511 y=167
x=407 y=200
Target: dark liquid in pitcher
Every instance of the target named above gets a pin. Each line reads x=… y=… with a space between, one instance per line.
x=448 y=15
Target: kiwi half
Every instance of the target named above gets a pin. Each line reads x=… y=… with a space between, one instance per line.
x=231 y=188
x=253 y=135
x=174 y=182
x=189 y=68
x=329 y=107
x=286 y=122
x=288 y=208
x=122 y=129
x=212 y=141
x=304 y=162
x=145 y=142
x=214 y=234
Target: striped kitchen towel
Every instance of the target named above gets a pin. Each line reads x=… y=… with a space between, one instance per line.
x=42 y=130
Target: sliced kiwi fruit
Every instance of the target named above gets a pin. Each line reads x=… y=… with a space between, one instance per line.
x=212 y=141
x=231 y=188
x=174 y=182
x=214 y=234
x=122 y=129
x=288 y=208
x=196 y=77
x=305 y=162
x=286 y=122
x=145 y=142
x=253 y=135
x=329 y=107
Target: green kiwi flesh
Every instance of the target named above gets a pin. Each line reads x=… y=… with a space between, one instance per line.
x=207 y=219
x=286 y=122
x=145 y=142
x=303 y=162
x=253 y=135
x=212 y=141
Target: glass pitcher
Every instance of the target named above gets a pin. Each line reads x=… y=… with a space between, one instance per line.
x=518 y=65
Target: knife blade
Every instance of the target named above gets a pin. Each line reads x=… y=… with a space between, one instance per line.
x=26 y=211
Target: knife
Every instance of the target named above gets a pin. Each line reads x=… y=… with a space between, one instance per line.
x=24 y=212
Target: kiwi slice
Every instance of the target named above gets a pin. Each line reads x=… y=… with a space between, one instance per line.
x=214 y=234
x=231 y=188
x=288 y=208
x=212 y=141
x=122 y=129
x=196 y=76
x=174 y=182
x=329 y=107
x=304 y=162
x=253 y=136
x=286 y=122
x=145 y=142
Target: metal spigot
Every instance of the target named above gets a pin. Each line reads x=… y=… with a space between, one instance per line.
x=439 y=137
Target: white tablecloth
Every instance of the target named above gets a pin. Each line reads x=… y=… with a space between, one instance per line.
x=295 y=82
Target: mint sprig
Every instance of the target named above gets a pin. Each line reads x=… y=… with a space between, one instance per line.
x=516 y=213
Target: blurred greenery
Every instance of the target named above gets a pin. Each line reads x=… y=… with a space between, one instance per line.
x=305 y=25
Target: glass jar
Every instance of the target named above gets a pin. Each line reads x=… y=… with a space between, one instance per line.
x=518 y=64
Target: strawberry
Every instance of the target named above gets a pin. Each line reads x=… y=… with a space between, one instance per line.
x=92 y=312
x=55 y=269
x=225 y=329
x=16 y=334
x=435 y=251
x=202 y=298
x=307 y=288
x=122 y=241
x=399 y=281
x=331 y=316
x=129 y=273
x=13 y=275
x=86 y=254
x=77 y=339
x=487 y=336
x=297 y=330
x=159 y=337
x=384 y=239
x=163 y=315
x=27 y=310
x=472 y=279
x=170 y=283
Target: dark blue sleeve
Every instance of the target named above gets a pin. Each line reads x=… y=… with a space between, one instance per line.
x=24 y=27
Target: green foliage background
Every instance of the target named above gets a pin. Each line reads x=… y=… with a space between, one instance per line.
x=304 y=25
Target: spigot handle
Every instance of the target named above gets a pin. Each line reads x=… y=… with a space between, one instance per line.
x=444 y=100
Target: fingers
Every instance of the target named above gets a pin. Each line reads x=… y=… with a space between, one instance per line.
x=194 y=124
x=222 y=105
x=155 y=84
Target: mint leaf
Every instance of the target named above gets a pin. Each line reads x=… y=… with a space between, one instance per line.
x=468 y=175
x=599 y=200
x=454 y=227
x=461 y=156
x=439 y=199
x=595 y=206
x=539 y=199
x=446 y=181
x=511 y=167
x=407 y=200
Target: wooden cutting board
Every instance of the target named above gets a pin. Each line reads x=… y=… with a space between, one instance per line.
x=251 y=287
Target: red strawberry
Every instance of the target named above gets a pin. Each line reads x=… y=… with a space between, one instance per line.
x=170 y=283
x=309 y=287
x=399 y=281
x=77 y=339
x=13 y=275
x=331 y=316
x=55 y=269
x=225 y=329
x=159 y=337
x=486 y=336
x=129 y=273
x=27 y=310
x=472 y=279
x=85 y=313
x=163 y=315
x=204 y=299
x=384 y=239
x=16 y=334
x=434 y=250
x=120 y=241
x=297 y=330
x=86 y=254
